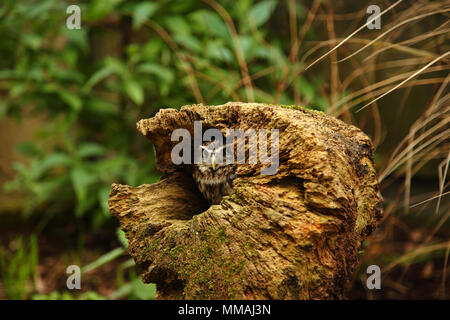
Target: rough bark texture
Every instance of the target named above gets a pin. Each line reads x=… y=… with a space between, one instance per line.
x=293 y=235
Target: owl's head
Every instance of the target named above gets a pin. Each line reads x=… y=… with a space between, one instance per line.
x=213 y=155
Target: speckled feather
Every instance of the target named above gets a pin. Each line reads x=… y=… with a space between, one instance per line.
x=214 y=184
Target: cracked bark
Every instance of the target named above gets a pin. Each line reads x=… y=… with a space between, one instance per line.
x=292 y=235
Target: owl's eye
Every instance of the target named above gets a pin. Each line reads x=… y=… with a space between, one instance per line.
x=206 y=154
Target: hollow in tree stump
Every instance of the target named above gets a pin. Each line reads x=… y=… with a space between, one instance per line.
x=292 y=235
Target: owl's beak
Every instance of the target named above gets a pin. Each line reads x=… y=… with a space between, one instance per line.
x=213 y=161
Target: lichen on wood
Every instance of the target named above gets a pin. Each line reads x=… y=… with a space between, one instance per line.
x=292 y=235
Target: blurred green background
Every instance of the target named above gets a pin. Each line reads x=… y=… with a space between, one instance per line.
x=70 y=100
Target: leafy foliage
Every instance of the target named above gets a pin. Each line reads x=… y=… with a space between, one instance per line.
x=90 y=104
x=65 y=295
x=18 y=268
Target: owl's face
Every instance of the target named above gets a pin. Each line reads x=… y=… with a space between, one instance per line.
x=214 y=178
x=213 y=156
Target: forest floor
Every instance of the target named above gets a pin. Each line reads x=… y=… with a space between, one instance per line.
x=62 y=246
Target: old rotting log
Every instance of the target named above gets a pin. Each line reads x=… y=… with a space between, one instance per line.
x=292 y=235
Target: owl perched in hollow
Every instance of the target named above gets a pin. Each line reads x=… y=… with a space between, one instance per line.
x=214 y=178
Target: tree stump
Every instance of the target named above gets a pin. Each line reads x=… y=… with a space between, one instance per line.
x=292 y=235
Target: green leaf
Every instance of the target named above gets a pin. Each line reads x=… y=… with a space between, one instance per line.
x=134 y=91
x=248 y=46
x=117 y=65
x=165 y=74
x=17 y=90
x=100 y=8
x=121 y=236
x=101 y=106
x=47 y=188
x=217 y=51
x=32 y=41
x=151 y=49
x=81 y=181
x=190 y=42
x=123 y=291
x=27 y=148
x=127 y=264
x=143 y=291
x=211 y=23
x=261 y=12
x=71 y=99
x=111 y=66
x=54 y=295
x=79 y=38
x=103 y=195
x=107 y=257
x=97 y=77
x=178 y=25
x=54 y=160
x=39 y=9
x=142 y=12
x=91 y=295
x=90 y=149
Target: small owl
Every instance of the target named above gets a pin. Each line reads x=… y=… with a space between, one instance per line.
x=213 y=177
